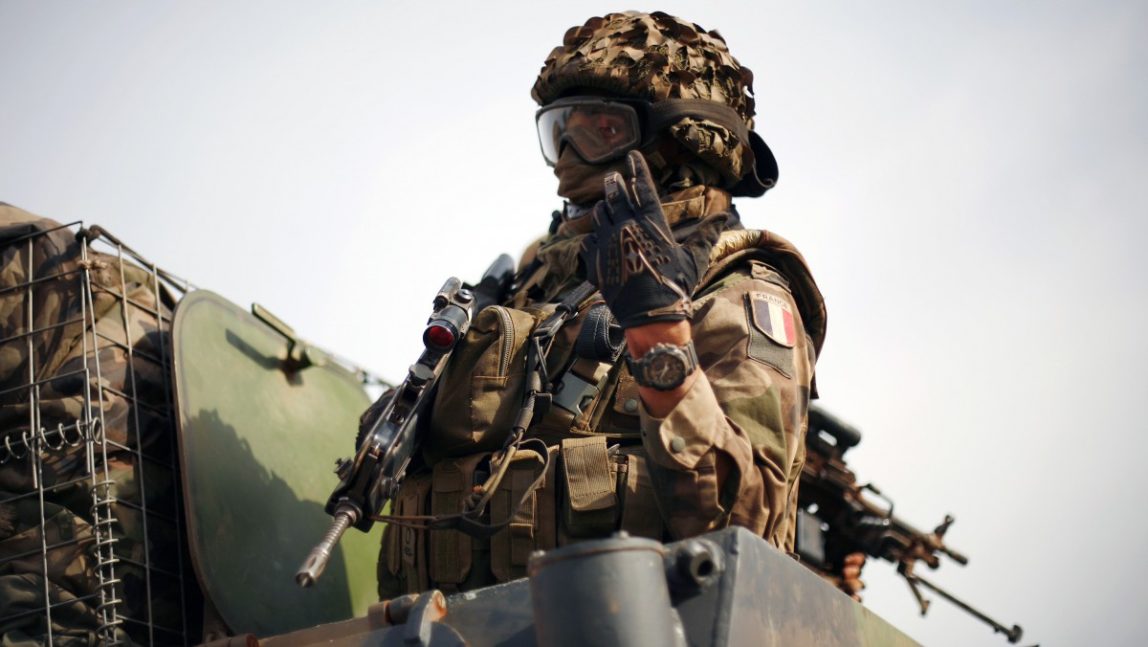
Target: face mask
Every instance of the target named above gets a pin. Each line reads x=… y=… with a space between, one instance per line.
x=579 y=182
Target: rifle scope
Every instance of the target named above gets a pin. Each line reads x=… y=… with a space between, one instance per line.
x=844 y=433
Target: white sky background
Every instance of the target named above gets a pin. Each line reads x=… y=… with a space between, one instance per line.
x=965 y=182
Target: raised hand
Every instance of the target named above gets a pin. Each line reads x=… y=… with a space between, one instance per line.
x=632 y=257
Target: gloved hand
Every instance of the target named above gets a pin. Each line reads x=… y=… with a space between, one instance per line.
x=847 y=578
x=632 y=257
x=850 y=581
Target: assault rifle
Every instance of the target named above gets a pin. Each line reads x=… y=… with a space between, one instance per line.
x=837 y=516
x=372 y=477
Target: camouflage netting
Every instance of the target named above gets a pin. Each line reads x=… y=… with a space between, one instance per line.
x=90 y=536
x=656 y=57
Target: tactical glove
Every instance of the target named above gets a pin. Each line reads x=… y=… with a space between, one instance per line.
x=632 y=258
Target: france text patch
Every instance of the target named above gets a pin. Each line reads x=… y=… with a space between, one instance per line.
x=773 y=316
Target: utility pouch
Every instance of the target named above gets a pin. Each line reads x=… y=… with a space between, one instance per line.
x=533 y=526
x=403 y=564
x=591 y=505
x=387 y=569
x=450 y=550
x=479 y=393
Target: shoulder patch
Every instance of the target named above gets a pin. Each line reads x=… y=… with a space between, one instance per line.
x=773 y=316
x=766 y=314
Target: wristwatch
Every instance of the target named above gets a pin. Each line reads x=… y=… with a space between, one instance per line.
x=665 y=366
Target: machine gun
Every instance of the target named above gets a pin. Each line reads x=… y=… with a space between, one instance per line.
x=837 y=516
x=385 y=451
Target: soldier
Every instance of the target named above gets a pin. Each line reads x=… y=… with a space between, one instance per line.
x=681 y=388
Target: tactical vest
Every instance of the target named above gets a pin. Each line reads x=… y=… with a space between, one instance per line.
x=597 y=481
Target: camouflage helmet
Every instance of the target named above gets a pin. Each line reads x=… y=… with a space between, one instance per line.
x=658 y=57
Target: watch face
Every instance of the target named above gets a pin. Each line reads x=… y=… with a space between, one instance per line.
x=665 y=370
x=665 y=366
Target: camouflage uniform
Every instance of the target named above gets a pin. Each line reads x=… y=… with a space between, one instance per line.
x=133 y=401
x=732 y=449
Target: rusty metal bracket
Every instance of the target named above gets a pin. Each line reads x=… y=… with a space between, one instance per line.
x=417 y=622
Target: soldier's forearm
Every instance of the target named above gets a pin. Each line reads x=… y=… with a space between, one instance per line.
x=640 y=339
x=693 y=453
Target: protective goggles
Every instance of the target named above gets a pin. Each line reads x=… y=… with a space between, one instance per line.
x=601 y=129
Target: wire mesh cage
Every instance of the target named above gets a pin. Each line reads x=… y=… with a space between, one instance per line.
x=92 y=543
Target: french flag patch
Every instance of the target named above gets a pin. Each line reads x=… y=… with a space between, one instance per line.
x=773 y=316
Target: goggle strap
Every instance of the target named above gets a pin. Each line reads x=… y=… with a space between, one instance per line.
x=664 y=113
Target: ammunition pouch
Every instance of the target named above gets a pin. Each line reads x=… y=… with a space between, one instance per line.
x=606 y=489
x=588 y=491
x=414 y=559
x=591 y=506
x=402 y=564
x=452 y=481
x=533 y=526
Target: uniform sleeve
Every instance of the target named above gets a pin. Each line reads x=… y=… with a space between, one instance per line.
x=730 y=452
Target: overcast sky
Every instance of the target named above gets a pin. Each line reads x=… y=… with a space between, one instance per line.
x=966 y=182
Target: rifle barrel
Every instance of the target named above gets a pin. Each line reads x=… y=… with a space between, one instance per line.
x=316 y=562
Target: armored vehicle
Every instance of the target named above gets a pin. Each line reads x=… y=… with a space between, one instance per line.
x=166 y=459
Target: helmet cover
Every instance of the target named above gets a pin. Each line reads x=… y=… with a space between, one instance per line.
x=657 y=57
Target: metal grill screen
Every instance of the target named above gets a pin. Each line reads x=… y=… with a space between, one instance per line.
x=92 y=547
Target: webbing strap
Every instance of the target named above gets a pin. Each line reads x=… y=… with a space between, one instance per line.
x=469 y=520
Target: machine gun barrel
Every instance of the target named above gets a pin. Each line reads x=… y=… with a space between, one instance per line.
x=955 y=556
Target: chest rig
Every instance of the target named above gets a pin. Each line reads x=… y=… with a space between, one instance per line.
x=586 y=412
